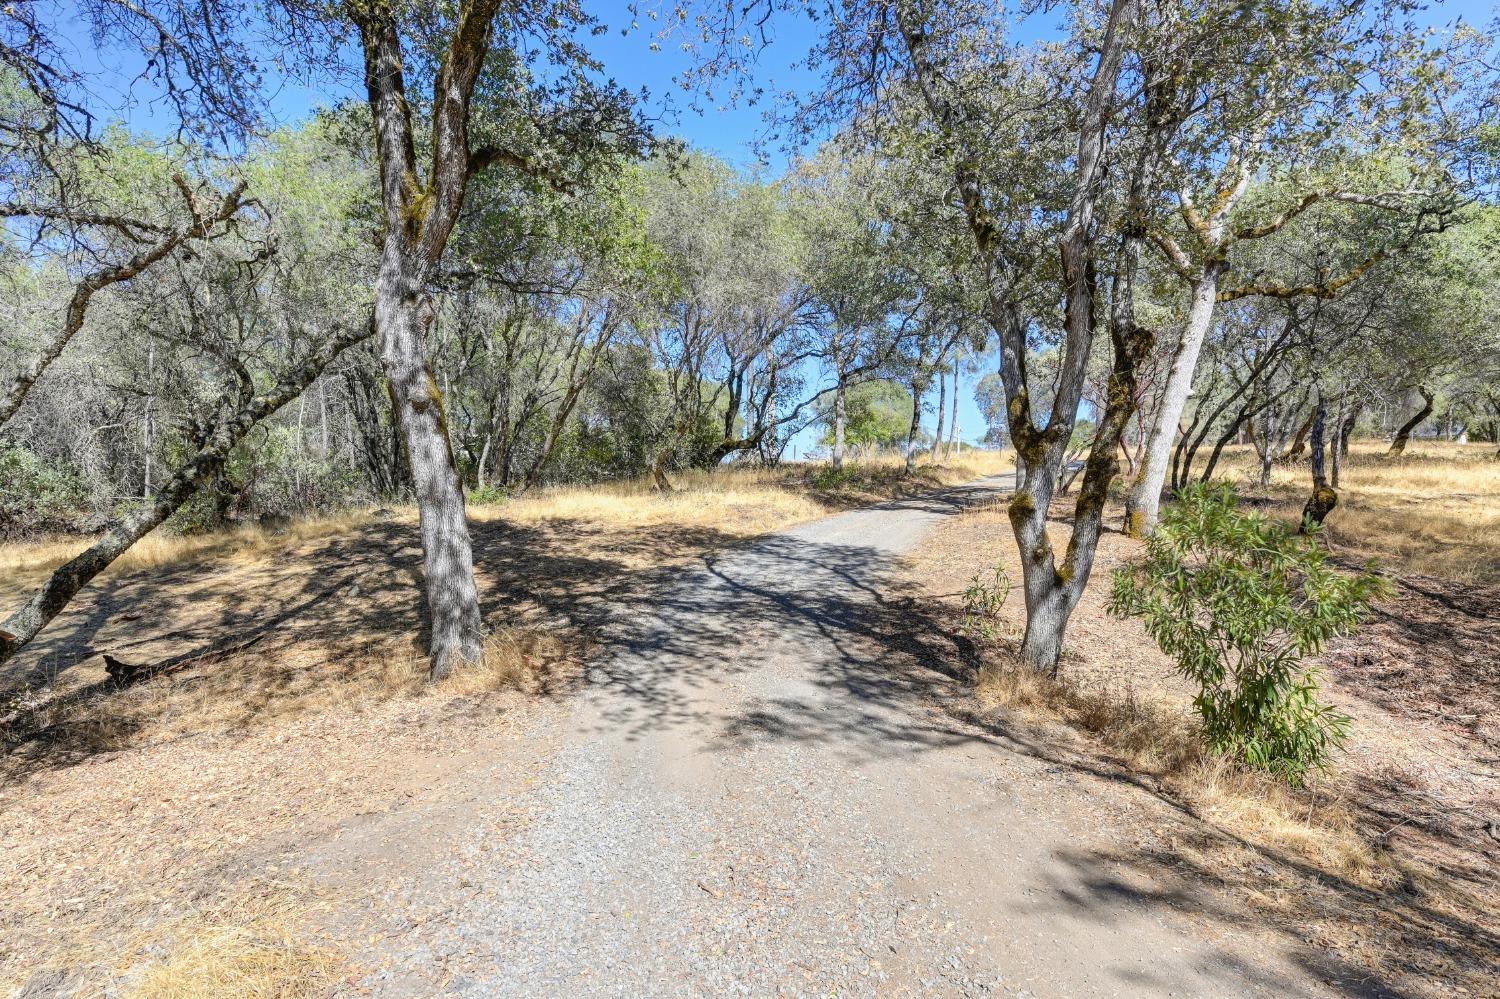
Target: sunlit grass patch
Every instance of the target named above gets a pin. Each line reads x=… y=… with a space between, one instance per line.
x=1434 y=510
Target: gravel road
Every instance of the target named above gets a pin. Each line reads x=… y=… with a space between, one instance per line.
x=759 y=794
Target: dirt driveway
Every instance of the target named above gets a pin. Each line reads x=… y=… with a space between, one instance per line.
x=760 y=792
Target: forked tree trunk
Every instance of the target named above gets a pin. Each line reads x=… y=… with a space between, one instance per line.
x=419 y=215
x=1053 y=586
x=1143 y=506
x=1398 y=445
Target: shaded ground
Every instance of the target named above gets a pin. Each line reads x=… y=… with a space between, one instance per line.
x=773 y=779
x=1419 y=789
x=766 y=787
x=122 y=810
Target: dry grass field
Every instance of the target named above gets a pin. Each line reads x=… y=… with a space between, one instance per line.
x=146 y=826
x=152 y=831
x=1391 y=860
x=1434 y=511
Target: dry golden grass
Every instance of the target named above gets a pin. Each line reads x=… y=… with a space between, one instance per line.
x=253 y=942
x=163 y=548
x=1434 y=511
x=736 y=503
x=514 y=659
x=255 y=949
x=231 y=695
x=1152 y=734
x=742 y=502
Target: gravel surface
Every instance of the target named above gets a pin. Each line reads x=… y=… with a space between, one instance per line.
x=758 y=794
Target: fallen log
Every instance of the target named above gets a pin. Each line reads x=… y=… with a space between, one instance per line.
x=126 y=673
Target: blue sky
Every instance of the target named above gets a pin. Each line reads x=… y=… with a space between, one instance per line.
x=736 y=132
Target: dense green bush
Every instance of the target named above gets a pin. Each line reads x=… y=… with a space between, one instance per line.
x=35 y=495
x=1240 y=601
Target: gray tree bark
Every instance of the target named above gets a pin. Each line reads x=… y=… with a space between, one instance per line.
x=839 y=419
x=1143 y=506
x=419 y=218
x=1398 y=444
x=918 y=389
x=1324 y=497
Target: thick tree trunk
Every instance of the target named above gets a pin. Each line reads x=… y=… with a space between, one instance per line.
x=1144 y=503
x=402 y=313
x=1398 y=444
x=419 y=215
x=1052 y=587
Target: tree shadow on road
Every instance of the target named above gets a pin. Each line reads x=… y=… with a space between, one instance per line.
x=341 y=617
x=902 y=674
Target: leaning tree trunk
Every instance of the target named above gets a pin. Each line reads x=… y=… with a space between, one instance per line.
x=1299 y=439
x=403 y=310
x=1144 y=503
x=203 y=468
x=197 y=227
x=1324 y=497
x=1398 y=445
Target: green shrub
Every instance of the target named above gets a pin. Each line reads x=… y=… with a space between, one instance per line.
x=34 y=494
x=1240 y=601
x=828 y=477
x=488 y=493
x=983 y=601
